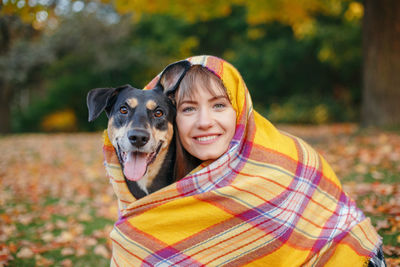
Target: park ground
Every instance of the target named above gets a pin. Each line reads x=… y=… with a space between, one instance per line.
x=57 y=207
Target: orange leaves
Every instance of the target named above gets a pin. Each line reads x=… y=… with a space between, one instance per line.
x=25 y=253
x=56 y=199
x=286 y=11
x=61 y=121
x=298 y=14
x=354 y=12
x=58 y=208
x=29 y=12
x=192 y=10
x=101 y=250
x=5 y=254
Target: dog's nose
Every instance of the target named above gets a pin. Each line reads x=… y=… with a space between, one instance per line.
x=138 y=138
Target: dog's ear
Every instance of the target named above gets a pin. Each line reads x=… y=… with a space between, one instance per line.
x=99 y=99
x=171 y=77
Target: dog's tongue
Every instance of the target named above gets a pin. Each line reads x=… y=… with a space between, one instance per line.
x=135 y=166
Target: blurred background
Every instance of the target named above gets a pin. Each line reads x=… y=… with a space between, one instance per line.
x=303 y=61
x=325 y=70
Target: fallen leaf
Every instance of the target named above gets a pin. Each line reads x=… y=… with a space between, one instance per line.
x=5 y=255
x=101 y=250
x=382 y=224
x=84 y=217
x=25 y=253
x=65 y=237
x=67 y=263
x=80 y=251
x=67 y=251
x=47 y=237
x=42 y=261
x=91 y=241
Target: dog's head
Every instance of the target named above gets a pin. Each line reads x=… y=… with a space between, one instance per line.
x=140 y=124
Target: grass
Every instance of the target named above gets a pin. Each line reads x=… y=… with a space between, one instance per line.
x=57 y=207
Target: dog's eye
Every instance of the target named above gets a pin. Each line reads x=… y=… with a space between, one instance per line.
x=158 y=113
x=123 y=110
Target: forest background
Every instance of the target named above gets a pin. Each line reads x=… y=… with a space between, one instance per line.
x=326 y=70
x=306 y=61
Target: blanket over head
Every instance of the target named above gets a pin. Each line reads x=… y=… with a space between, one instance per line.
x=270 y=200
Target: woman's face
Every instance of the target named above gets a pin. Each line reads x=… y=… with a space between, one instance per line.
x=206 y=123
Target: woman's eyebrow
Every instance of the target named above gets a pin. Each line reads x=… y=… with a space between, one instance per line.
x=187 y=102
x=193 y=101
x=218 y=97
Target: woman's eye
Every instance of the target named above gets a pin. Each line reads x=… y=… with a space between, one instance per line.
x=158 y=113
x=219 y=106
x=123 y=110
x=187 y=109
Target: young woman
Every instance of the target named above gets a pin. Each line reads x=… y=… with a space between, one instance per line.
x=260 y=196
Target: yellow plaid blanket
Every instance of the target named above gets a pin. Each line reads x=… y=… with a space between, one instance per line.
x=270 y=200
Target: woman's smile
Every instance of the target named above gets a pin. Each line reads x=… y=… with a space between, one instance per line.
x=209 y=139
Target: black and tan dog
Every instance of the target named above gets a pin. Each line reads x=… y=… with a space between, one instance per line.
x=141 y=129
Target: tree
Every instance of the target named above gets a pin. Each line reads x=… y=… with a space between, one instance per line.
x=20 y=25
x=85 y=53
x=19 y=58
x=22 y=55
x=381 y=42
x=381 y=80
x=381 y=86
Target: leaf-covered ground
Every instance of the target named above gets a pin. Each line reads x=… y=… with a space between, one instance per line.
x=57 y=207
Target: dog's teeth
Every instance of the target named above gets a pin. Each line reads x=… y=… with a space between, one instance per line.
x=206 y=138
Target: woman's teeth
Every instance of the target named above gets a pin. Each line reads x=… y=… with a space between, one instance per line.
x=206 y=138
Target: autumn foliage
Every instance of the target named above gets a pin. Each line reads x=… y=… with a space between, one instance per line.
x=57 y=207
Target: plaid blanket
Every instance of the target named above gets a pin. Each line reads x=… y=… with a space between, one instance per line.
x=270 y=200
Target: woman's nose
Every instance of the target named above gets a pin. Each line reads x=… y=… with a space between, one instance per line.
x=205 y=119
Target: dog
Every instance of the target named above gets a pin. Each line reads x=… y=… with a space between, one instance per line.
x=141 y=129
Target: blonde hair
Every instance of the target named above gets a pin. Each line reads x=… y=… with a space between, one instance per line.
x=199 y=77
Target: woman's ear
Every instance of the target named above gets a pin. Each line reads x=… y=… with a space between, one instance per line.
x=171 y=77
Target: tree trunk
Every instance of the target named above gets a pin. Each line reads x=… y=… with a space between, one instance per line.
x=381 y=68
x=4 y=90
x=5 y=110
